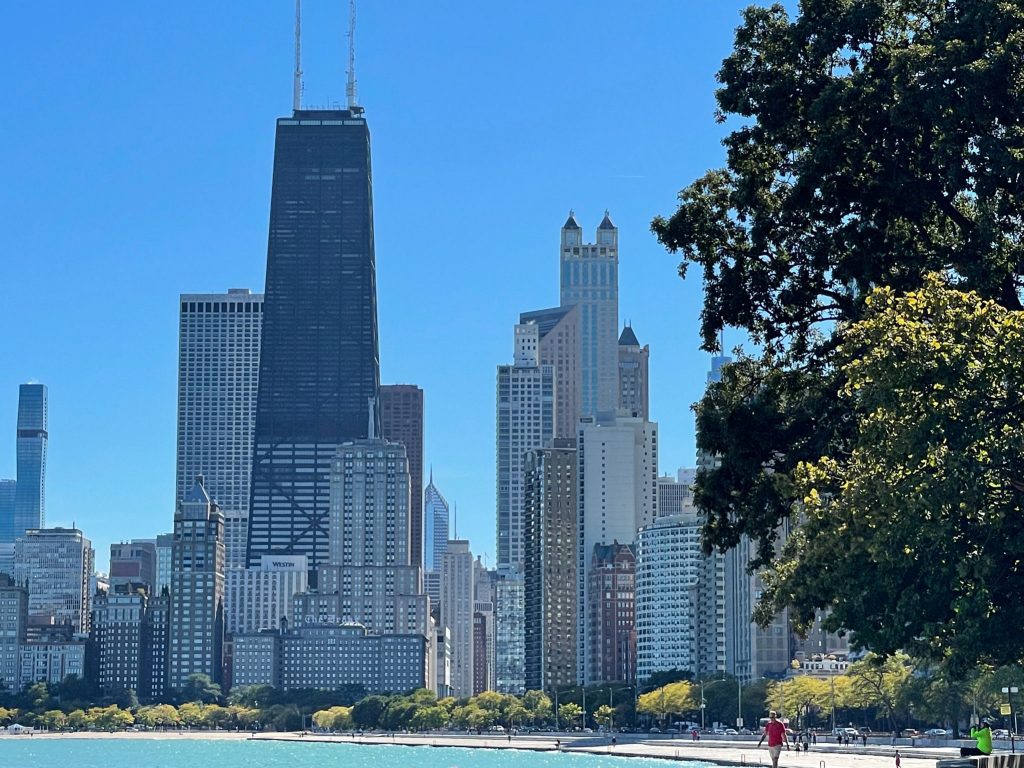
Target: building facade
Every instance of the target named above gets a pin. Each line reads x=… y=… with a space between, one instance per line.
x=319 y=374
x=617 y=472
x=634 y=390
x=258 y=598
x=218 y=370
x=510 y=631
x=668 y=565
x=435 y=538
x=589 y=280
x=120 y=635
x=611 y=615
x=196 y=632
x=457 y=612
x=133 y=562
x=13 y=630
x=549 y=576
x=525 y=420
x=401 y=421
x=329 y=657
x=52 y=658
x=33 y=437
x=559 y=332
x=57 y=565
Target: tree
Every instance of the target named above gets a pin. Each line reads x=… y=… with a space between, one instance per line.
x=54 y=720
x=158 y=716
x=871 y=147
x=667 y=700
x=538 y=706
x=878 y=682
x=8 y=716
x=335 y=718
x=199 y=687
x=430 y=718
x=570 y=714
x=603 y=715
x=78 y=720
x=799 y=696
x=190 y=714
x=926 y=502
x=367 y=712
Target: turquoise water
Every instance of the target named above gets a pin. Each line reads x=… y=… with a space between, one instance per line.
x=24 y=752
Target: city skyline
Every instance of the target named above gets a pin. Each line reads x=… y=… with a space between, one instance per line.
x=630 y=178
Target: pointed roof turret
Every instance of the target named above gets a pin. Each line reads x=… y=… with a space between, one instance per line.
x=606 y=222
x=627 y=338
x=570 y=223
x=198 y=492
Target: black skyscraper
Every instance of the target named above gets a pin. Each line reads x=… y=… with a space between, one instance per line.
x=319 y=369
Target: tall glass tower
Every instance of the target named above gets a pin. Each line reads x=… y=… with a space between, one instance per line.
x=319 y=375
x=30 y=492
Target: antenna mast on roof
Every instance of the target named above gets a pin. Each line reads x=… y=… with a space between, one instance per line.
x=297 y=84
x=350 y=88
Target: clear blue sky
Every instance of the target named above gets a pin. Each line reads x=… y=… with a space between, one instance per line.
x=136 y=164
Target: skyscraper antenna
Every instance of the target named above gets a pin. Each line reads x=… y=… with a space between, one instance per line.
x=350 y=88
x=297 y=84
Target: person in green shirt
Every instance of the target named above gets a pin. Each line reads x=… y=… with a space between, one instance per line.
x=983 y=735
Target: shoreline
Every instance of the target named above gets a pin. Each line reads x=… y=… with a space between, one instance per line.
x=728 y=753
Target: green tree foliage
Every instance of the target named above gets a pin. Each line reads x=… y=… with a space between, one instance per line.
x=874 y=142
x=199 y=687
x=366 y=713
x=158 y=716
x=54 y=720
x=878 y=682
x=927 y=502
x=603 y=715
x=570 y=715
x=670 y=699
x=538 y=706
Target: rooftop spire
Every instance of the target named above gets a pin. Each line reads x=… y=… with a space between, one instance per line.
x=297 y=84
x=350 y=88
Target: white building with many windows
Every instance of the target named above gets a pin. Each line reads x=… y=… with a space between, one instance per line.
x=668 y=564
x=218 y=369
x=258 y=598
x=57 y=565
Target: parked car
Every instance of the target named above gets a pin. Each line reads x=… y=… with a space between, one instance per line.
x=936 y=733
x=1000 y=733
x=731 y=732
x=746 y=732
x=672 y=730
x=655 y=730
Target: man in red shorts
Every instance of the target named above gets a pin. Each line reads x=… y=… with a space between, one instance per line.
x=776 y=733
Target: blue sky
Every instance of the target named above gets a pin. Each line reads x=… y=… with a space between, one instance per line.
x=136 y=163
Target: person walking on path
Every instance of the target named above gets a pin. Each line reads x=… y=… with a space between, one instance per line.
x=983 y=736
x=897 y=758
x=776 y=733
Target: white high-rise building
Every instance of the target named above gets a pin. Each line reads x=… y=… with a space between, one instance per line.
x=56 y=564
x=668 y=563
x=589 y=280
x=258 y=598
x=218 y=368
x=457 y=604
x=525 y=421
x=617 y=464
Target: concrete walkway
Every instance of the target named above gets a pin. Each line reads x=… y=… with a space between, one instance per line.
x=720 y=752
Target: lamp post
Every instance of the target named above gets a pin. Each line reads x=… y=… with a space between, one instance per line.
x=1009 y=691
x=739 y=703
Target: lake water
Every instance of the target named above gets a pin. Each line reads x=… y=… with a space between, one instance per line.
x=25 y=752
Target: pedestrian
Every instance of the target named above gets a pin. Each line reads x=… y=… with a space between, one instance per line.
x=776 y=733
x=615 y=740
x=806 y=745
x=558 y=744
x=814 y=737
x=864 y=738
x=897 y=758
x=983 y=736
